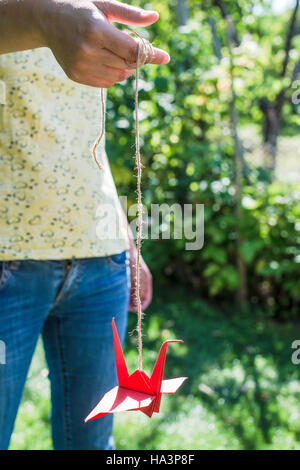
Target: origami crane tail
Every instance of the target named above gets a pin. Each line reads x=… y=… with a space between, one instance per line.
x=158 y=370
x=156 y=404
x=122 y=370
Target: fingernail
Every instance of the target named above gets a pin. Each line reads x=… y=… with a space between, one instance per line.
x=167 y=59
x=150 y=12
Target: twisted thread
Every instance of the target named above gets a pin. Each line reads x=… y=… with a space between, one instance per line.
x=145 y=54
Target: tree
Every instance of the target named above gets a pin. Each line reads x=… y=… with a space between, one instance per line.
x=272 y=110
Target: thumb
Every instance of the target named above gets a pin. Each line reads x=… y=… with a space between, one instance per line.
x=126 y=14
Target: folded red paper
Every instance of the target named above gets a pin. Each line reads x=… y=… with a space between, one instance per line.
x=136 y=391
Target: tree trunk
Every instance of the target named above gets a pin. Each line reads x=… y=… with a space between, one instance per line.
x=182 y=12
x=233 y=41
x=242 y=292
x=270 y=134
x=215 y=39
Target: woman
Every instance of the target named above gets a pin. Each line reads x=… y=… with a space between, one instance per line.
x=58 y=276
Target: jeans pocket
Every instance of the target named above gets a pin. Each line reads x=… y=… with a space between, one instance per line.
x=118 y=261
x=4 y=274
x=6 y=269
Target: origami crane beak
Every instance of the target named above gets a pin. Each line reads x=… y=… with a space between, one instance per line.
x=158 y=370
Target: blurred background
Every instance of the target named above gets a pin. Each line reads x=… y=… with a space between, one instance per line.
x=220 y=127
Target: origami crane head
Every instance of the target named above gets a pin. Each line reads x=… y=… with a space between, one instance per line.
x=136 y=391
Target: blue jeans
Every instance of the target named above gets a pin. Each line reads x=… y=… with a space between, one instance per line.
x=71 y=303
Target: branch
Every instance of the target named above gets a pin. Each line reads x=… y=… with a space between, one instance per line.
x=281 y=97
x=288 y=42
x=226 y=15
x=295 y=71
x=216 y=40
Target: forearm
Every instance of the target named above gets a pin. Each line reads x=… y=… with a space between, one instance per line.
x=19 y=25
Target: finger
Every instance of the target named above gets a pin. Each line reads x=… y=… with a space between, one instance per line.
x=148 y=297
x=125 y=46
x=132 y=304
x=147 y=294
x=132 y=308
x=98 y=83
x=113 y=74
x=127 y=14
x=110 y=59
x=100 y=72
x=146 y=303
x=95 y=80
x=160 y=57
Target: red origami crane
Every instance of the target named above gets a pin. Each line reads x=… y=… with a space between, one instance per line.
x=136 y=391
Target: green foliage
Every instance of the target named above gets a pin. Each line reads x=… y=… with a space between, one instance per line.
x=188 y=154
x=270 y=249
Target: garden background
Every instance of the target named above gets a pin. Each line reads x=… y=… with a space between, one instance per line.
x=219 y=127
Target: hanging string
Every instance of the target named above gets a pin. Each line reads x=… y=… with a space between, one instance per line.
x=145 y=54
x=140 y=213
x=97 y=142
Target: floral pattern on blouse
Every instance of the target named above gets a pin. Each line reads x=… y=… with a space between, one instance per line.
x=54 y=201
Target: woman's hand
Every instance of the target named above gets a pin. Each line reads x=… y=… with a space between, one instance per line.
x=87 y=46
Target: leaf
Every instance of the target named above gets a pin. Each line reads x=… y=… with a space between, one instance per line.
x=211 y=270
x=250 y=248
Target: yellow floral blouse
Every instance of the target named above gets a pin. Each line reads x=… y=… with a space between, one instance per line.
x=54 y=201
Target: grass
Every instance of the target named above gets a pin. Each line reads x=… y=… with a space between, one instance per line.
x=243 y=390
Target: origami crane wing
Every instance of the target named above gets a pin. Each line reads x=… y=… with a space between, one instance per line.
x=120 y=399
x=172 y=385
